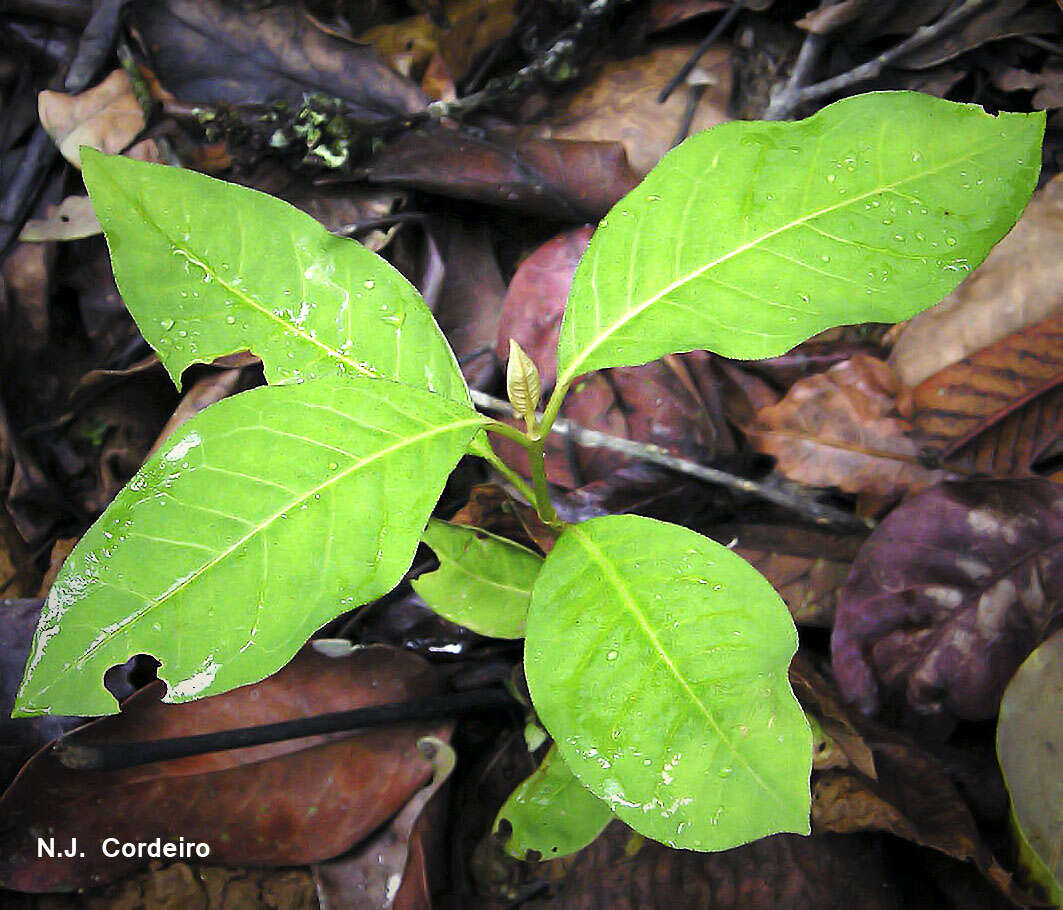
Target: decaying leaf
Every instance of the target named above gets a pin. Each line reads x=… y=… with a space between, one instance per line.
x=1020 y=283
x=949 y=595
x=1029 y=741
x=263 y=805
x=620 y=103
x=565 y=179
x=841 y=429
x=1000 y=410
x=107 y=117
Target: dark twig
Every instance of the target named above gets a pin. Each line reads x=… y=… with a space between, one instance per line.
x=115 y=756
x=793 y=95
x=710 y=39
x=809 y=508
x=784 y=102
x=559 y=63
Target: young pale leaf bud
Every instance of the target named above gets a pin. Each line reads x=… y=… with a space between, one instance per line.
x=522 y=383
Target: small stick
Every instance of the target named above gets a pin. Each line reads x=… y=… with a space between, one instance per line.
x=815 y=511
x=115 y=756
x=793 y=96
x=710 y=39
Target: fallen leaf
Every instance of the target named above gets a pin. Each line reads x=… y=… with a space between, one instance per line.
x=27 y=278
x=1020 y=283
x=72 y=219
x=841 y=429
x=566 y=180
x=288 y=803
x=209 y=52
x=1000 y=410
x=373 y=874
x=620 y=103
x=107 y=117
x=1029 y=740
x=948 y=596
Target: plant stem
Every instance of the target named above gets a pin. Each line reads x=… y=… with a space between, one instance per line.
x=545 y=508
x=510 y=433
x=553 y=407
x=818 y=512
x=512 y=476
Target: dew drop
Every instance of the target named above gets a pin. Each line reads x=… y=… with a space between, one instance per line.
x=231 y=320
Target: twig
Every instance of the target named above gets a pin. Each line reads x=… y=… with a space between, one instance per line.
x=710 y=39
x=809 y=508
x=115 y=756
x=785 y=101
x=558 y=63
x=793 y=95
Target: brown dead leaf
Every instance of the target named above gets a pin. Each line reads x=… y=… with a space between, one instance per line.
x=27 y=286
x=1020 y=283
x=620 y=103
x=288 y=803
x=72 y=219
x=841 y=429
x=107 y=117
x=563 y=179
x=1000 y=410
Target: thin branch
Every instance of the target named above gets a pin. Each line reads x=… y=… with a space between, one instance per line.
x=115 y=756
x=710 y=39
x=791 y=97
x=809 y=508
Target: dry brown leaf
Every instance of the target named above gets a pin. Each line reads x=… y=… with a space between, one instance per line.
x=841 y=429
x=1000 y=410
x=621 y=103
x=1020 y=283
x=107 y=117
x=73 y=219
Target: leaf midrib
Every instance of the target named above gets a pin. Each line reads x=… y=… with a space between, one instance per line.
x=632 y=606
x=135 y=204
x=268 y=522
x=573 y=369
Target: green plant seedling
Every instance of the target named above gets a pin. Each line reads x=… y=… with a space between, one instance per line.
x=656 y=659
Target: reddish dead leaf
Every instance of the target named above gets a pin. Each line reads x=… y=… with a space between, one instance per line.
x=491 y=508
x=841 y=429
x=1020 y=283
x=107 y=117
x=563 y=179
x=288 y=803
x=948 y=596
x=1000 y=410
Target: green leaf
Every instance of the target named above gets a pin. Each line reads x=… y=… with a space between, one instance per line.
x=1029 y=743
x=208 y=268
x=657 y=659
x=551 y=813
x=483 y=582
x=753 y=236
x=261 y=518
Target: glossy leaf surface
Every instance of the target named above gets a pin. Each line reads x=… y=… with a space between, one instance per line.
x=657 y=659
x=483 y=582
x=237 y=539
x=208 y=268
x=552 y=813
x=753 y=236
x=1029 y=740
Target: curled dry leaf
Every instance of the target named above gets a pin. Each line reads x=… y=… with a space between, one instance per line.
x=556 y=178
x=1020 y=283
x=1000 y=410
x=265 y=805
x=620 y=103
x=107 y=117
x=949 y=595
x=841 y=429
